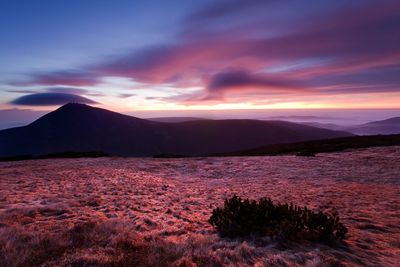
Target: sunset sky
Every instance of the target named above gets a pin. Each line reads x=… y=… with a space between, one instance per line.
x=199 y=55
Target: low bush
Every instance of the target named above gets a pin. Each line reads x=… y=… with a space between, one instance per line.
x=247 y=217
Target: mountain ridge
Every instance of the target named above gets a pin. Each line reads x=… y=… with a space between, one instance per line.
x=386 y=126
x=82 y=128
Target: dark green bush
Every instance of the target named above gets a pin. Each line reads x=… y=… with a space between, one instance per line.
x=246 y=217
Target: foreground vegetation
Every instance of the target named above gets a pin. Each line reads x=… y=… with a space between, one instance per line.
x=97 y=244
x=155 y=212
x=247 y=217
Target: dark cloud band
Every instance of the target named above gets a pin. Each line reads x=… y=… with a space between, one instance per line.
x=50 y=99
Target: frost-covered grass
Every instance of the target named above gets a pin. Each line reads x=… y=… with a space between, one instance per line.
x=133 y=211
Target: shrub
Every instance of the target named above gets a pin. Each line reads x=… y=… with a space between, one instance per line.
x=246 y=217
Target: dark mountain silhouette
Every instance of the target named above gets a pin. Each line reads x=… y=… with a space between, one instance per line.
x=388 y=126
x=82 y=128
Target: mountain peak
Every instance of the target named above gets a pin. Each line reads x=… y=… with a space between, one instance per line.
x=72 y=109
x=74 y=105
x=78 y=108
x=72 y=112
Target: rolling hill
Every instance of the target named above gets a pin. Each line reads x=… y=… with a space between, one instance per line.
x=388 y=126
x=82 y=128
x=175 y=119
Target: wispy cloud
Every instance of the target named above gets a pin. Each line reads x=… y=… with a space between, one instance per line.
x=125 y=95
x=62 y=77
x=59 y=89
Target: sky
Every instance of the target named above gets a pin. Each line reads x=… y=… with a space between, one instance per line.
x=185 y=56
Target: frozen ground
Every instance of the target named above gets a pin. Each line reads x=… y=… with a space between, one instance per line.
x=136 y=211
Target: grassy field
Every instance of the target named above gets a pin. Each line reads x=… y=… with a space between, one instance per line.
x=154 y=212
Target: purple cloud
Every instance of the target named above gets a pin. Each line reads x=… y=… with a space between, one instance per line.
x=62 y=90
x=67 y=90
x=242 y=78
x=345 y=40
x=64 y=77
x=50 y=99
x=246 y=81
x=125 y=95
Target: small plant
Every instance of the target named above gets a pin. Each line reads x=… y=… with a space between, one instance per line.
x=247 y=217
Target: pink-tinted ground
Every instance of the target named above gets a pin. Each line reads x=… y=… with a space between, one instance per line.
x=136 y=211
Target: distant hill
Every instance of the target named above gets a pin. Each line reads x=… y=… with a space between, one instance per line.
x=329 y=126
x=388 y=126
x=319 y=146
x=82 y=128
x=18 y=117
x=175 y=119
